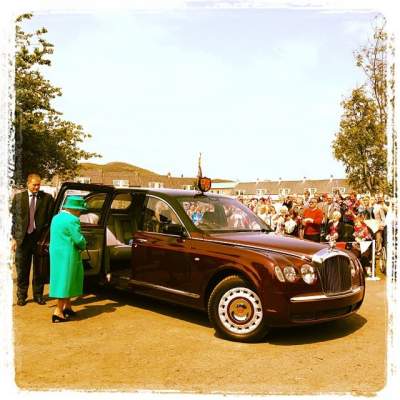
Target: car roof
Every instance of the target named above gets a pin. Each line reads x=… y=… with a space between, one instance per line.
x=160 y=191
x=172 y=192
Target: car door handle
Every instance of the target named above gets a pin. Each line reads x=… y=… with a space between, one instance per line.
x=141 y=240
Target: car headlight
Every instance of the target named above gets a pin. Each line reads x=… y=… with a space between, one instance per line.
x=290 y=274
x=279 y=274
x=308 y=274
x=353 y=269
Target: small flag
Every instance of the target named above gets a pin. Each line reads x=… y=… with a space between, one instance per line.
x=199 y=172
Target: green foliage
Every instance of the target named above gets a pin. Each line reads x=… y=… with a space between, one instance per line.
x=372 y=58
x=45 y=143
x=361 y=142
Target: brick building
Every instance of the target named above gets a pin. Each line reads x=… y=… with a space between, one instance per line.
x=126 y=175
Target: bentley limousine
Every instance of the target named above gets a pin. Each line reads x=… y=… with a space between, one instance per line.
x=210 y=252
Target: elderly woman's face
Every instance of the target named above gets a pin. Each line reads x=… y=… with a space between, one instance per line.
x=313 y=203
x=73 y=211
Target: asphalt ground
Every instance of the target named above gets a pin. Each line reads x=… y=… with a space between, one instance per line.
x=123 y=342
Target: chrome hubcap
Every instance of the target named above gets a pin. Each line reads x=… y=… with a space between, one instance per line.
x=240 y=310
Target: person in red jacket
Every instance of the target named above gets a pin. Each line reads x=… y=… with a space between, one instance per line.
x=312 y=221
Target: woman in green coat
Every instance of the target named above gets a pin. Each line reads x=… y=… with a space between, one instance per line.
x=66 y=269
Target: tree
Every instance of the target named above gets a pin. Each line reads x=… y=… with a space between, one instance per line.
x=361 y=143
x=372 y=59
x=44 y=142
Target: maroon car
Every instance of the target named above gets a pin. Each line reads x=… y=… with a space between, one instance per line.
x=211 y=253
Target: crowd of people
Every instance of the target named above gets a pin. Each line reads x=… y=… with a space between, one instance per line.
x=351 y=219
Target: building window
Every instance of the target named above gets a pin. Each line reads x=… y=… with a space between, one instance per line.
x=82 y=179
x=284 y=191
x=261 y=192
x=156 y=185
x=187 y=187
x=240 y=192
x=342 y=190
x=312 y=191
x=121 y=182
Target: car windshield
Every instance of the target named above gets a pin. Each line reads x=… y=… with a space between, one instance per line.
x=221 y=214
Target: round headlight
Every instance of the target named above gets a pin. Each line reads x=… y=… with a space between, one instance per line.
x=290 y=274
x=308 y=274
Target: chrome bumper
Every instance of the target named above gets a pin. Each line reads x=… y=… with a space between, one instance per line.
x=306 y=299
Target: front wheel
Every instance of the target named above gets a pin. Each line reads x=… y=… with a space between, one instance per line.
x=236 y=312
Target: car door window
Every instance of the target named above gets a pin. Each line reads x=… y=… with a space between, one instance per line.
x=121 y=201
x=95 y=202
x=158 y=216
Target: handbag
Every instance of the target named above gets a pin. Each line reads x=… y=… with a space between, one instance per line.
x=42 y=263
x=85 y=257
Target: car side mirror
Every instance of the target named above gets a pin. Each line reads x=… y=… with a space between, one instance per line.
x=175 y=229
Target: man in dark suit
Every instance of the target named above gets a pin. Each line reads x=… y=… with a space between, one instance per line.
x=31 y=212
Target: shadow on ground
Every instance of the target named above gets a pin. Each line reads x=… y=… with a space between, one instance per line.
x=316 y=333
x=172 y=310
x=298 y=335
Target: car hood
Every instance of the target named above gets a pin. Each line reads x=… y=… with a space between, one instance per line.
x=270 y=241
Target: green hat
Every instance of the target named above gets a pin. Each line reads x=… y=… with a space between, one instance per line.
x=75 y=203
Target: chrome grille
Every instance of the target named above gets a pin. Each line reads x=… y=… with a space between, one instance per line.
x=335 y=275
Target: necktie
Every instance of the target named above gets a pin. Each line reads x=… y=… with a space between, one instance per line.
x=32 y=206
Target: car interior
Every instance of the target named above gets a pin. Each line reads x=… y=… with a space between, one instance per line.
x=121 y=225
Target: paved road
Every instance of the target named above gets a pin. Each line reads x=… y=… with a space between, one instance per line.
x=124 y=342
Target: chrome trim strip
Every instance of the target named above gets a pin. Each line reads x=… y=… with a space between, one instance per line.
x=165 y=234
x=165 y=289
x=305 y=299
x=247 y=246
x=172 y=208
x=324 y=254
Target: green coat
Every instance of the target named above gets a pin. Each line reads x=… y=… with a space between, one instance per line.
x=66 y=269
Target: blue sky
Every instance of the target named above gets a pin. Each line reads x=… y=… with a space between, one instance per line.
x=257 y=91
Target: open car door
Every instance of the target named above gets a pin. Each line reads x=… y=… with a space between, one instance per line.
x=93 y=223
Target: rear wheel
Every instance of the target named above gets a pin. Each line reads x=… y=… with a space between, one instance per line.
x=236 y=312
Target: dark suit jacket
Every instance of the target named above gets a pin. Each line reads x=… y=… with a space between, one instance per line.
x=20 y=213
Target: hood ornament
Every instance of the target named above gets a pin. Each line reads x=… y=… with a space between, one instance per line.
x=332 y=244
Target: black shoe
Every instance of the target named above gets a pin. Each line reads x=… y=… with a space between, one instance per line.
x=68 y=313
x=40 y=300
x=21 y=302
x=56 y=318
